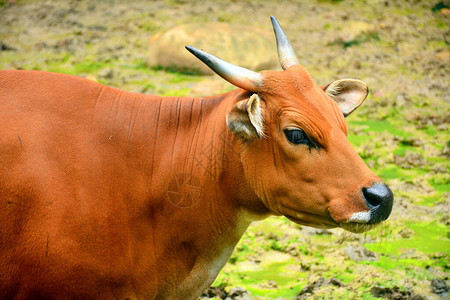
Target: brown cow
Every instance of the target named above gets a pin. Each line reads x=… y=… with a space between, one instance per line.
x=109 y=194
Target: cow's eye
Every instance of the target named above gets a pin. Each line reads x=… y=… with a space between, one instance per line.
x=297 y=136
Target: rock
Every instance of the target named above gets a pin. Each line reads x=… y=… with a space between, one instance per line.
x=315 y=231
x=406 y=233
x=440 y=287
x=445 y=220
x=446 y=149
x=360 y=253
x=427 y=120
x=411 y=141
x=247 y=47
x=356 y=32
x=214 y=292
x=410 y=160
x=269 y=285
x=308 y=290
x=107 y=73
x=272 y=284
x=439 y=168
x=237 y=293
x=273 y=236
x=394 y=293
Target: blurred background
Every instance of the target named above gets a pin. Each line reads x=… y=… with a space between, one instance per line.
x=399 y=48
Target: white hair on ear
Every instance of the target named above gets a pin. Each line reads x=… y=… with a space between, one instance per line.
x=245 y=118
x=333 y=90
x=255 y=114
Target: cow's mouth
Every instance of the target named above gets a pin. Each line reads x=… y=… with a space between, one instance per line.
x=327 y=222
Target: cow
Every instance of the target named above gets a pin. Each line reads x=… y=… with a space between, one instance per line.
x=107 y=194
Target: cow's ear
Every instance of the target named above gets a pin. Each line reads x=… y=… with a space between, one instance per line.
x=348 y=94
x=245 y=118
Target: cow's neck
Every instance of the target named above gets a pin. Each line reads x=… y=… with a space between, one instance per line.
x=186 y=173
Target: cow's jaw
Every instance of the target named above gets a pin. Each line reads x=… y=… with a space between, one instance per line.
x=356 y=227
x=323 y=223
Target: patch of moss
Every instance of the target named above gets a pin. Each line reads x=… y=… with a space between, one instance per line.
x=382 y=126
x=391 y=172
x=181 y=77
x=440 y=182
x=402 y=149
x=430 y=200
x=260 y=293
x=89 y=67
x=428 y=238
x=430 y=130
x=357 y=139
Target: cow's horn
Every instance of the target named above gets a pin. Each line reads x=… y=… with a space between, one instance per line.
x=240 y=77
x=286 y=54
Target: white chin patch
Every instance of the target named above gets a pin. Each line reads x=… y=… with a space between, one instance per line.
x=360 y=217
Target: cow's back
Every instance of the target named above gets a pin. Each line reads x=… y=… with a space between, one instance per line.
x=50 y=183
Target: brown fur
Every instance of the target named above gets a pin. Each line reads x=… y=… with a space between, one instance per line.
x=89 y=177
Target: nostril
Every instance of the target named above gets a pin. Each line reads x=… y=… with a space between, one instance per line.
x=379 y=198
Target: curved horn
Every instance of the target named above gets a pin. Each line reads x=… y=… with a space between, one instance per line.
x=286 y=54
x=240 y=77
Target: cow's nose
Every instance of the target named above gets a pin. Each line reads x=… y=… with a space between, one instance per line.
x=379 y=198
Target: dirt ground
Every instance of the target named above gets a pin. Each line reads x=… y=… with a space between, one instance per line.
x=399 y=48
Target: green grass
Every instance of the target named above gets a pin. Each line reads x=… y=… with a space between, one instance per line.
x=391 y=172
x=377 y=126
x=427 y=238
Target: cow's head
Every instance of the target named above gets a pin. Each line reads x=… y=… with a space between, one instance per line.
x=297 y=157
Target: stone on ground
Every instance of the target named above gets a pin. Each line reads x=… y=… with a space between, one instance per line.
x=248 y=47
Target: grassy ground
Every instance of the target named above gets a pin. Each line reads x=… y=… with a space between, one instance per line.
x=400 y=48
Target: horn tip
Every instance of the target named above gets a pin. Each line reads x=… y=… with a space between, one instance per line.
x=195 y=51
x=274 y=20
